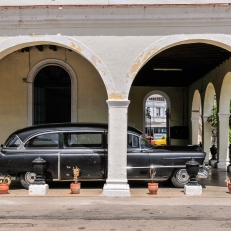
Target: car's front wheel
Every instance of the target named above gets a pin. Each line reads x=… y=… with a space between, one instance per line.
x=27 y=178
x=180 y=178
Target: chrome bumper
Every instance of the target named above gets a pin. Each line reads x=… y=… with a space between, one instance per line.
x=203 y=172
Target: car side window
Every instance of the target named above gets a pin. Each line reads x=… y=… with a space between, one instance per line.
x=13 y=142
x=50 y=140
x=93 y=140
x=133 y=141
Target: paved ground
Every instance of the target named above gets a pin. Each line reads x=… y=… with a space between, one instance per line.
x=170 y=209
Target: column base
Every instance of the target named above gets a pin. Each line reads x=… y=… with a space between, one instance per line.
x=212 y=162
x=115 y=189
x=193 y=190
x=38 y=189
x=221 y=165
x=229 y=168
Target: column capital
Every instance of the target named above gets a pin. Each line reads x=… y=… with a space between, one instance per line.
x=205 y=117
x=194 y=118
x=118 y=103
x=223 y=115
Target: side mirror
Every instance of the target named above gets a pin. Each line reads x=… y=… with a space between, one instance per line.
x=1 y=145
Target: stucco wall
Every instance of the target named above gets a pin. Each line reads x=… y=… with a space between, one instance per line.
x=93 y=2
x=91 y=104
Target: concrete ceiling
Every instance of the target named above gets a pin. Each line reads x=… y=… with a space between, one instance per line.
x=195 y=60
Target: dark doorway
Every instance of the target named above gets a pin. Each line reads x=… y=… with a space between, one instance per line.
x=52 y=96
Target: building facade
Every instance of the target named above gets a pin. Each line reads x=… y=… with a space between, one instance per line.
x=155 y=123
x=108 y=50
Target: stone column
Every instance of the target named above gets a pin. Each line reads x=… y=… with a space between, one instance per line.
x=206 y=140
x=195 y=124
x=116 y=183
x=223 y=140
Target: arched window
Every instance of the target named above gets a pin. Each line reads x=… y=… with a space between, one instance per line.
x=52 y=95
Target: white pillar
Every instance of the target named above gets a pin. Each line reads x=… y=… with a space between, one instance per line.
x=206 y=141
x=223 y=140
x=195 y=124
x=116 y=183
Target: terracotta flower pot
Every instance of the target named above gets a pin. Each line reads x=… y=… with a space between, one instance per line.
x=229 y=186
x=75 y=188
x=153 y=188
x=4 y=188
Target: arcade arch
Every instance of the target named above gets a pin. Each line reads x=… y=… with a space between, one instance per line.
x=223 y=125
x=118 y=102
x=196 y=118
x=165 y=114
x=200 y=109
x=209 y=102
x=12 y=44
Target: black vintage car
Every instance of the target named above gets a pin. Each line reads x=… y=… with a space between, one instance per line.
x=64 y=146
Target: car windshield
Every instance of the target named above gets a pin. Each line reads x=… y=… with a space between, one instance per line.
x=13 y=142
x=145 y=142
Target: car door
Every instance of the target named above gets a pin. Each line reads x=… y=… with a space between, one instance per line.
x=161 y=160
x=137 y=159
x=45 y=146
x=84 y=150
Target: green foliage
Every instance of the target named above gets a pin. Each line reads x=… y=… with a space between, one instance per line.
x=229 y=135
x=213 y=119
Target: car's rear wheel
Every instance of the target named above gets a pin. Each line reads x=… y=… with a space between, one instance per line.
x=27 y=178
x=180 y=178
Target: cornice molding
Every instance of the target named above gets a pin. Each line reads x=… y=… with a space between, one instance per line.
x=98 y=16
x=118 y=103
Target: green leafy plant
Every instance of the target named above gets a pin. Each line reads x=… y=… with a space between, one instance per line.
x=213 y=118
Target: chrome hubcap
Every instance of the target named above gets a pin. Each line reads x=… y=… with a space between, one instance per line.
x=30 y=177
x=182 y=176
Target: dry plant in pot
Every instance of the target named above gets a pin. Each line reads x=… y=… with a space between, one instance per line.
x=5 y=184
x=75 y=186
x=153 y=186
x=228 y=184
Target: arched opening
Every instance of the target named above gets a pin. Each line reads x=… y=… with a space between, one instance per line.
x=196 y=119
x=224 y=122
x=177 y=70
x=156 y=116
x=52 y=96
x=71 y=77
x=210 y=124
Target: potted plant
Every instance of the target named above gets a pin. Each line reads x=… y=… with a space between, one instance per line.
x=153 y=186
x=5 y=185
x=228 y=184
x=75 y=186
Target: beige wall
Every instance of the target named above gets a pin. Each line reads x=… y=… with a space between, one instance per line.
x=91 y=103
x=136 y=113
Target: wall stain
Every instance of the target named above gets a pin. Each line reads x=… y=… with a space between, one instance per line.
x=135 y=66
x=143 y=58
x=150 y=53
x=115 y=96
x=78 y=49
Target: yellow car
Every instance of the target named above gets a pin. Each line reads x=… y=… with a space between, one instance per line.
x=160 y=140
